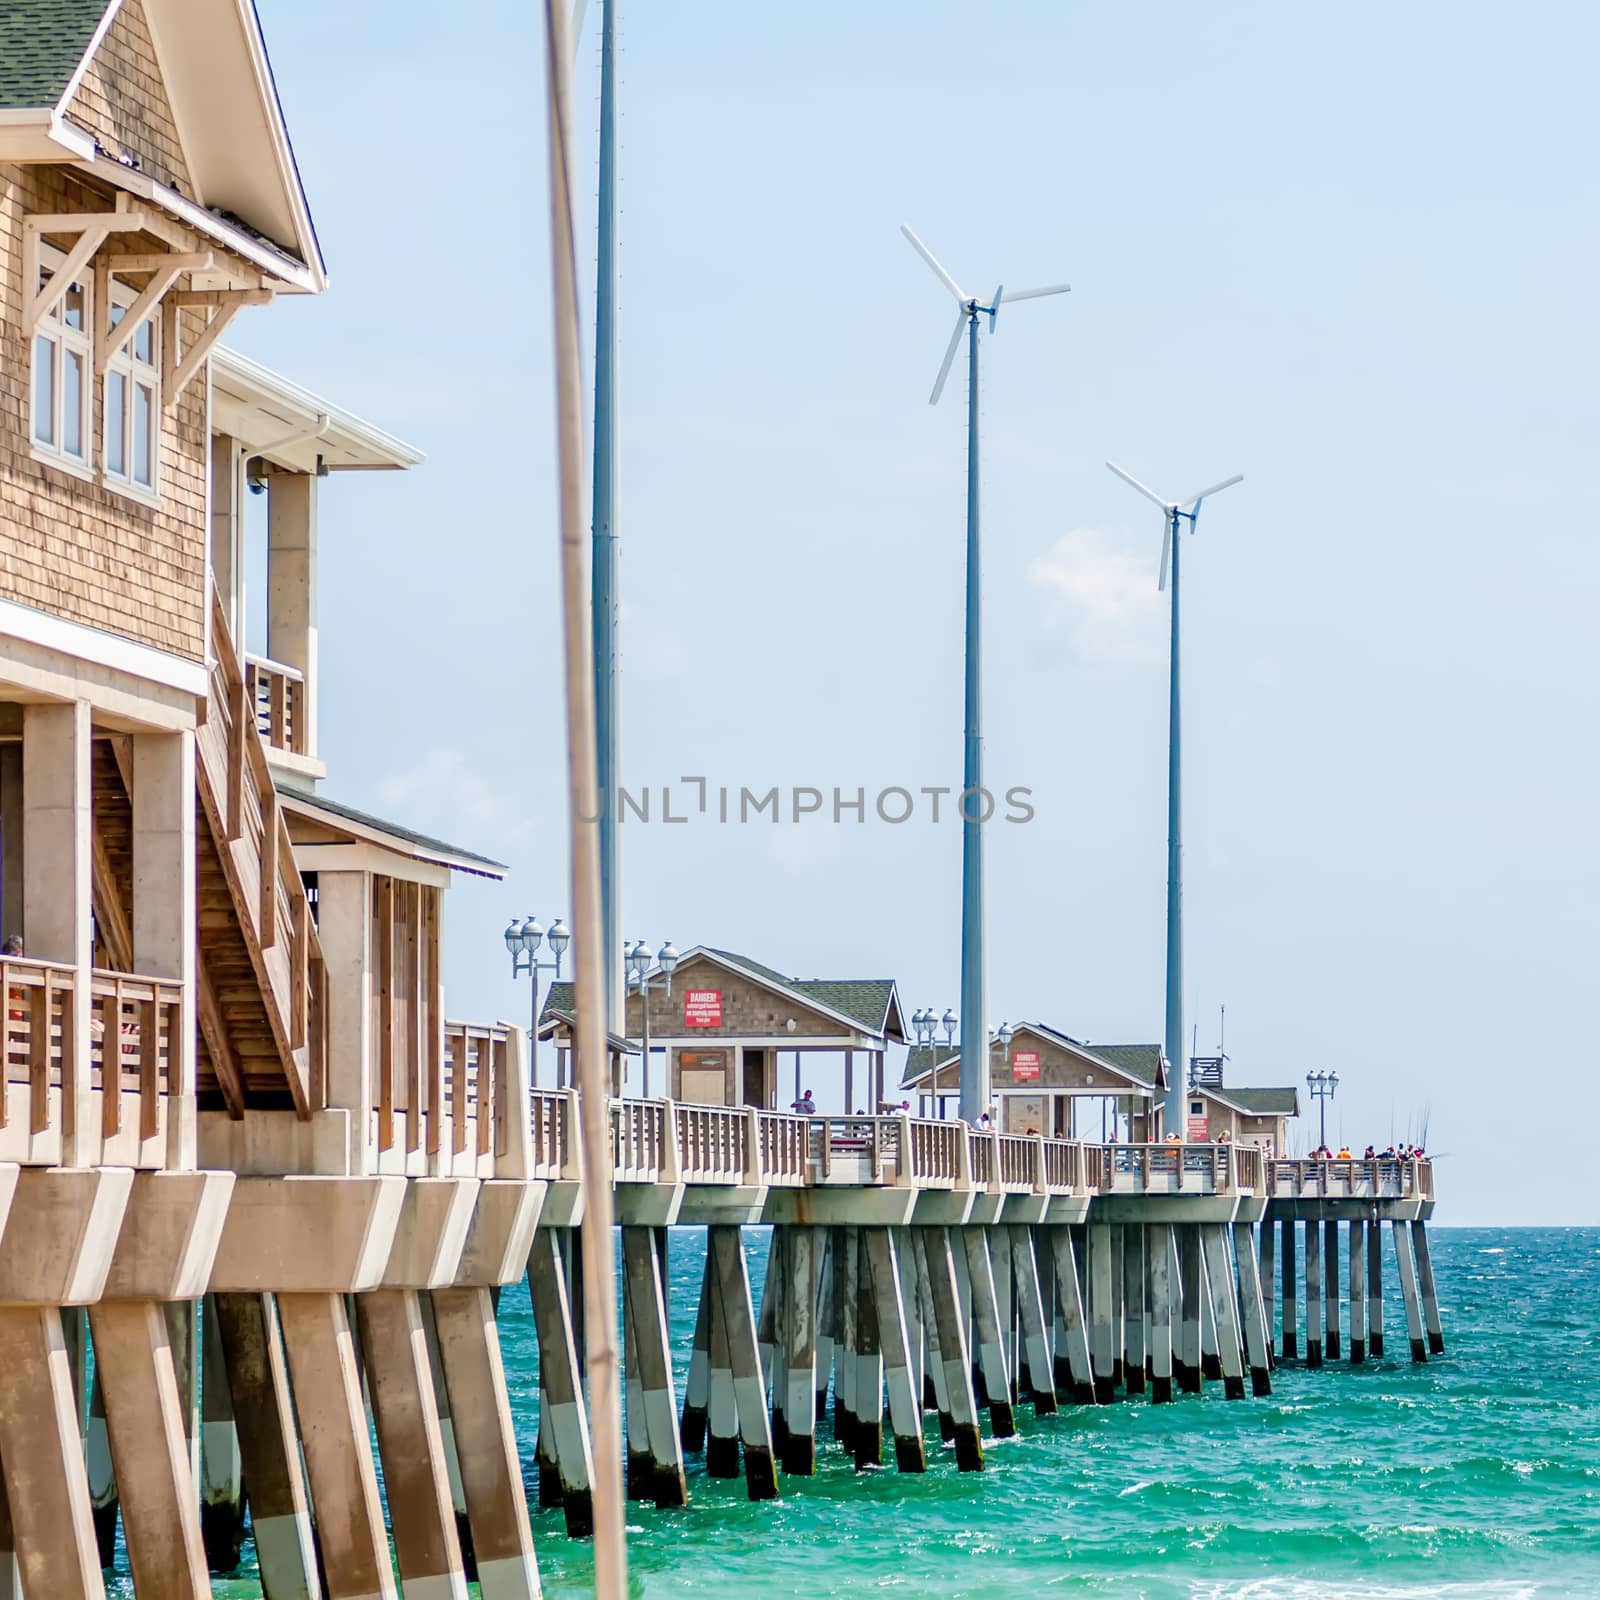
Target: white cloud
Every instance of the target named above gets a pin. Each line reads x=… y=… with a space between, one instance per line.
x=1103 y=587
x=442 y=784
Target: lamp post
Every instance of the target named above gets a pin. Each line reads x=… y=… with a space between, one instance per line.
x=523 y=940
x=640 y=961
x=927 y=1026
x=1323 y=1086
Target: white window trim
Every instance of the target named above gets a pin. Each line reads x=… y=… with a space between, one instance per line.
x=53 y=331
x=135 y=373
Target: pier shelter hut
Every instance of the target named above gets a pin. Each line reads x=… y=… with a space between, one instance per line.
x=557 y=1026
x=1245 y=1114
x=731 y=1025
x=1050 y=1083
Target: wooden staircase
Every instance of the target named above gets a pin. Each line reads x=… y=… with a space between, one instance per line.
x=262 y=981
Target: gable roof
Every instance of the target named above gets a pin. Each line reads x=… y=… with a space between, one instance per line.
x=1259 y=1102
x=922 y=1060
x=42 y=43
x=1138 y=1063
x=213 y=62
x=362 y=824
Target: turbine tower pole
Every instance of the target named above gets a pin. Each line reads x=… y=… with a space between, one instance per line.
x=974 y=1026
x=603 y=576
x=1177 y=1088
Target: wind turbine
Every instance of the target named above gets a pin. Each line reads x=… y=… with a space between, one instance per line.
x=603 y=566
x=1173 y=514
x=974 y=1021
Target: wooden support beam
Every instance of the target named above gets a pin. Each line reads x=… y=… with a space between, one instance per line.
x=986 y=1322
x=1219 y=1273
x=726 y=1245
x=191 y=360
x=801 y=1249
x=697 y=1384
x=645 y=1308
x=117 y=335
x=1030 y=1305
x=943 y=1296
x=905 y=1398
x=1075 y=1329
x=214 y=1030
x=561 y=1380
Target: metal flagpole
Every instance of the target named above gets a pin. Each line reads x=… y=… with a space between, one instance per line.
x=604 y=575
x=599 y=1283
x=1174 y=1042
x=974 y=1029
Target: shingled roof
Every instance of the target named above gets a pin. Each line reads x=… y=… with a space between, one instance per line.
x=1139 y=1061
x=41 y=44
x=1260 y=1102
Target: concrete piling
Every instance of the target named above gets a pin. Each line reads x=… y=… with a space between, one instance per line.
x=1409 y=1292
x=1191 y=1294
x=1268 y=1264
x=726 y=1244
x=1034 y=1326
x=1253 y=1303
x=1159 y=1251
x=1102 y=1329
x=1219 y=1274
x=844 y=1248
x=102 y=1475
x=1314 y=1317
x=1358 y=1292
x=637 y=1472
x=47 y=1485
x=650 y=1352
x=767 y=1322
x=802 y=1247
x=1133 y=1292
x=869 y=1364
x=1210 y=1350
x=221 y=1466
x=1074 y=1329
x=697 y=1382
x=944 y=1298
x=258 y=1381
x=1119 y=1336
x=468 y=1345
x=991 y=1354
x=144 y=1422
x=1375 y=1289
x=1330 y=1269
x=416 y=1480
x=722 y=1415
x=884 y=1248
x=1430 y=1292
x=561 y=1385
x=930 y=1330
x=1291 y=1315
x=333 y=1433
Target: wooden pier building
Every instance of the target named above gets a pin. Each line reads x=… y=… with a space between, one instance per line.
x=251 y=1170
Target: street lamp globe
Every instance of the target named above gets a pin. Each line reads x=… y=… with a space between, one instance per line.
x=514 y=937
x=668 y=957
x=559 y=937
x=949 y=1022
x=1333 y=1081
x=1005 y=1034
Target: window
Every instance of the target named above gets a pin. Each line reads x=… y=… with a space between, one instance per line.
x=62 y=362
x=131 y=428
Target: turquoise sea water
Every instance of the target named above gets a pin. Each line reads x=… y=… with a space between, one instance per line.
x=1475 y=1477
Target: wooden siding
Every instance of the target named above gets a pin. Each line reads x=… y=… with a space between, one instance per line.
x=123 y=102
x=73 y=548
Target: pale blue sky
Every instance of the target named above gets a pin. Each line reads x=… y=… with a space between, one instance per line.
x=1349 y=254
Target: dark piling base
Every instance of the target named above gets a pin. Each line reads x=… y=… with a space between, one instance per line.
x=549 y=1487
x=1358 y=1352
x=641 y=1474
x=821 y=1412
x=1233 y=1388
x=969 y=1449
x=1330 y=1347
x=105 y=1534
x=1044 y=1403
x=780 y=1432
x=222 y=1534
x=1002 y=1420
x=844 y=1428
x=1211 y=1367
x=761 y=1476
x=579 y=1509
x=869 y=1444
x=670 y=1490
x=980 y=1390
x=1375 y=1347
x=1419 y=1351
x=1105 y=1391
x=800 y=1456
x=947 y=1427
x=1083 y=1394
x=1291 y=1346
x=930 y=1398
x=1117 y=1378
x=691 y=1430
x=469 y=1556
x=1063 y=1375
x=1260 y=1382
x=722 y=1457
x=1436 y=1344
x=1313 y=1352
x=1188 y=1379
x=1135 y=1380
x=1160 y=1391
x=909 y=1455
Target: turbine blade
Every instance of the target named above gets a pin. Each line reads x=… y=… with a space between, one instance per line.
x=579 y=10
x=1216 y=488
x=1035 y=294
x=1166 y=549
x=932 y=260
x=949 y=358
x=1144 y=489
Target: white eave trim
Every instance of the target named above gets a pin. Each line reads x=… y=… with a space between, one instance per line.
x=241 y=378
x=83 y=643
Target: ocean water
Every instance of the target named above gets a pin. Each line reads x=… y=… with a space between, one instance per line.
x=1475 y=1477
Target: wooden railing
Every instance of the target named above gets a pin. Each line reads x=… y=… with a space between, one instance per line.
x=1017 y=1154
x=638 y=1139
x=1063 y=1165
x=712 y=1144
x=935 y=1154
x=785 y=1144
x=277 y=694
x=466 y=1090
x=1377 y=1179
x=553 y=1142
x=135 y=1041
x=258 y=861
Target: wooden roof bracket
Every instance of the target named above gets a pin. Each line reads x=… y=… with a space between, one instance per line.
x=92 y=229
x=179 y=367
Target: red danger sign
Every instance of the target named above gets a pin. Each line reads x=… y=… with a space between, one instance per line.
x=702 y=1008
x=1025 y=1066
